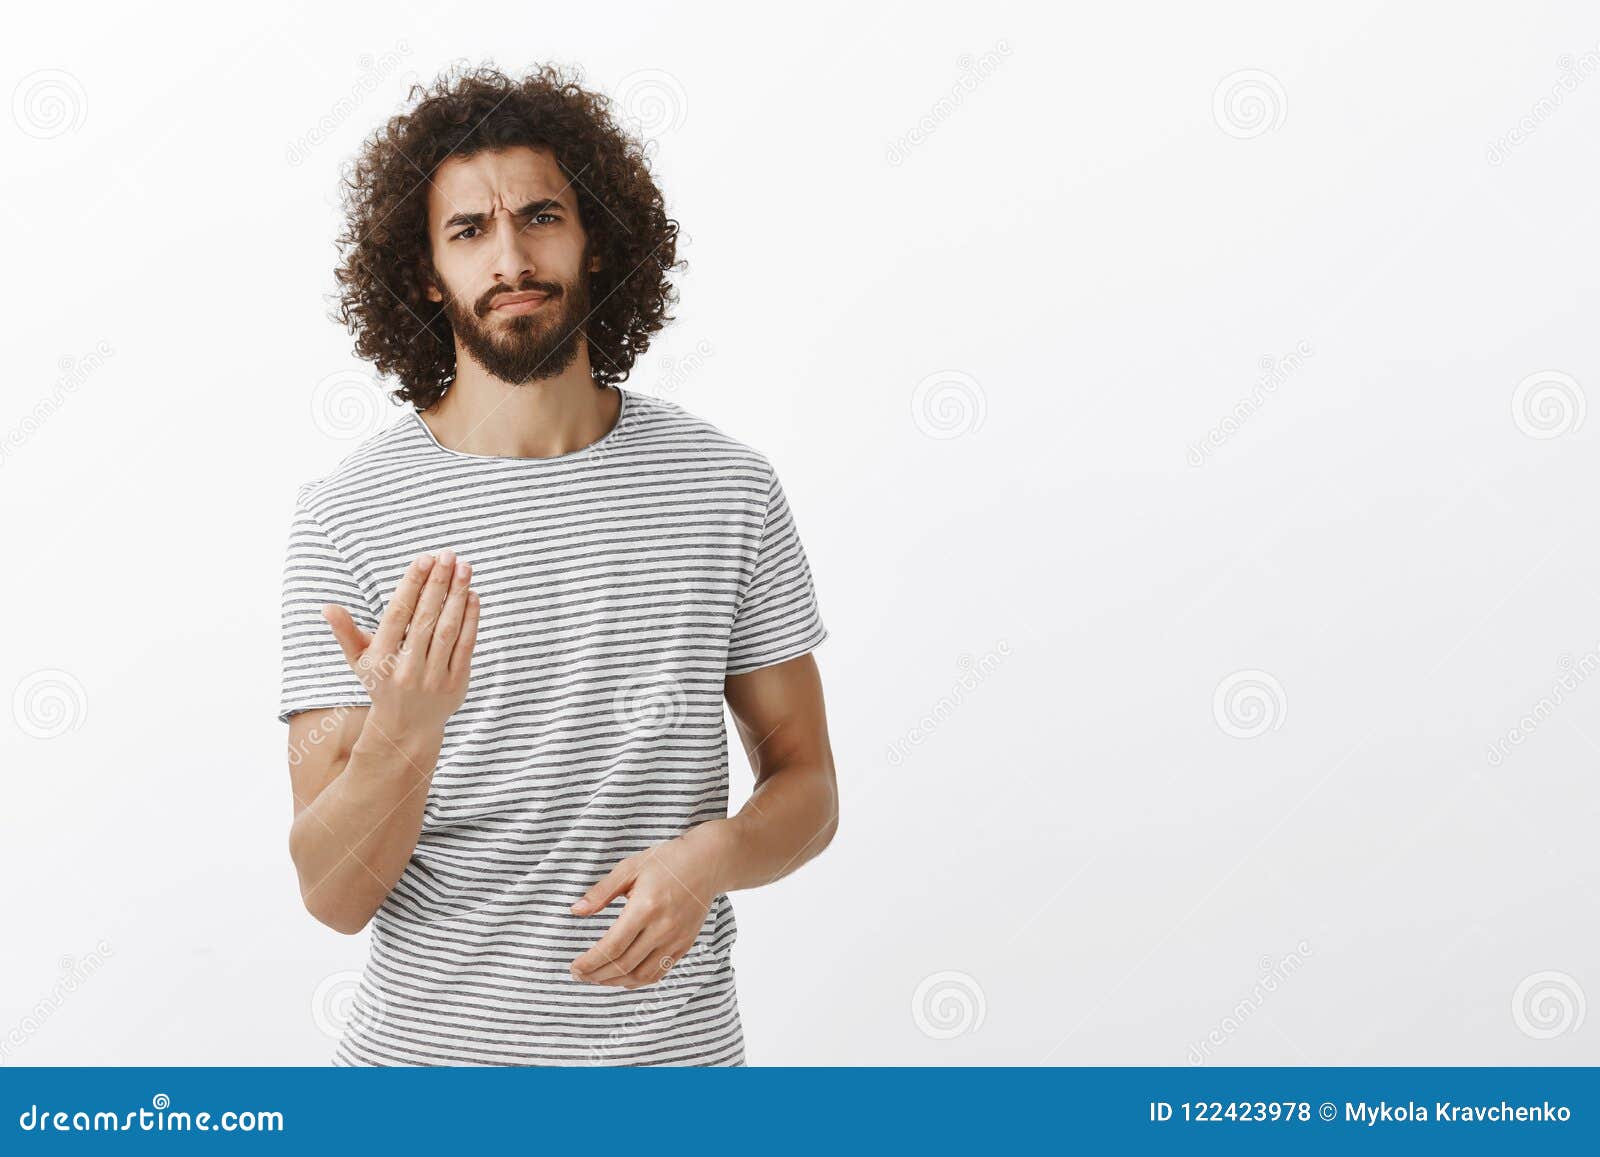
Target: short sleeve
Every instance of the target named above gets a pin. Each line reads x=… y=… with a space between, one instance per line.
x=777 y=617
x=314 y=672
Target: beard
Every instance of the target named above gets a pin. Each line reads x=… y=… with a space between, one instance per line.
x=522 y=348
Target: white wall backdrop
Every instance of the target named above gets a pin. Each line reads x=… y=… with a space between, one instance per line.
x=1184 y=411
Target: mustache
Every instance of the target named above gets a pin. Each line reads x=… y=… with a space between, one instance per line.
x=549 y=289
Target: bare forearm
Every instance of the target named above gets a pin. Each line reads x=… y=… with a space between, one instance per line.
x=787 y=821
x=351 y=844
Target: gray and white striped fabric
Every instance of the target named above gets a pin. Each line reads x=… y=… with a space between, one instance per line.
x=619 y=585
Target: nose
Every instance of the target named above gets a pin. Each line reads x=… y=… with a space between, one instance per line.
x=509 y=259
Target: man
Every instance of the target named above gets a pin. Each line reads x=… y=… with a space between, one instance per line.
x=510 y=619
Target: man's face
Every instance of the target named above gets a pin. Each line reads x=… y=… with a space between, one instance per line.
x=502 y=225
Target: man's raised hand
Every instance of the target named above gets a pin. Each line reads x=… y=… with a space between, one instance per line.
x=415 y=668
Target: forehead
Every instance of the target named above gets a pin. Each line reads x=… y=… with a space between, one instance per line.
x=489 y=181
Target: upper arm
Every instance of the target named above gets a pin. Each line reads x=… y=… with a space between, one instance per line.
x=780 y=715
x=320 y=742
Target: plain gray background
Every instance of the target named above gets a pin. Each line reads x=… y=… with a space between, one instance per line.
x=1184 y=412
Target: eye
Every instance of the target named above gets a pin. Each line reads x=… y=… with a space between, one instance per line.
x=554 y=217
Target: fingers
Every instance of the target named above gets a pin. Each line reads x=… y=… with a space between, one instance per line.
x=461 y=656
x=402 y=605
x=610 y=946
x=640 y=953
x=426 y=615
x=655 y=967
x=448 y=629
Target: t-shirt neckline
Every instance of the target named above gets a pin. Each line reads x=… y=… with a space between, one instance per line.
x=597 y=444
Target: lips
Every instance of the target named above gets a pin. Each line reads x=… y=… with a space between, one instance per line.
x=525 y=300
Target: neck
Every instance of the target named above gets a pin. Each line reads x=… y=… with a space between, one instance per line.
x=481 y=414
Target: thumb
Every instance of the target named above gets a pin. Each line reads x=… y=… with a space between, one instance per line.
x=613 y=884
x=352 y=639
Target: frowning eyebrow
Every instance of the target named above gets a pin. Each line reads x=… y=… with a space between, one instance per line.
x=477 y=220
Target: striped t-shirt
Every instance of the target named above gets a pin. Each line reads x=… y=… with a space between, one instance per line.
x=620 y=584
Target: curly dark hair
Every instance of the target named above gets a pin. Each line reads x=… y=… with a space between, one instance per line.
x=386 y=258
